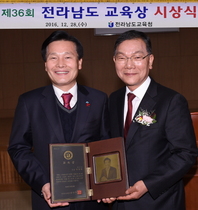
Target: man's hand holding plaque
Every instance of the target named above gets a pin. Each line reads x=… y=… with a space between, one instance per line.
x=134 y=192
x=47 y=196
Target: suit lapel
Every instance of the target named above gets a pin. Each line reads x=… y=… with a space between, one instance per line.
x=148 y=102
x=83 y=109
x=50 y=108
x=120 y=106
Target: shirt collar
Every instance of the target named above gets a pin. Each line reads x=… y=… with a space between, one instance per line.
x=141 y=90
x=73 y=91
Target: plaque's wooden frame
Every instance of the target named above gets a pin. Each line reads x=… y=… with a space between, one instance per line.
x=91 y=150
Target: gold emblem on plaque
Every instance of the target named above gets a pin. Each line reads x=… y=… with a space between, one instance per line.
x=68 y=155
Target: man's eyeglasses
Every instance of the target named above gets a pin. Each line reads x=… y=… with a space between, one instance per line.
x=123 y=59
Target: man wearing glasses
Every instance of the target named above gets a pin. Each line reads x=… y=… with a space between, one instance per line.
x=156 y=124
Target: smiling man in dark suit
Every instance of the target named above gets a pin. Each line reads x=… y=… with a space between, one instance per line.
x=109 y=172
x=160 y=140
x=45 y=116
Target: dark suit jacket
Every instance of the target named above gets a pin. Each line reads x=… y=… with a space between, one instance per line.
x=159 y=154
x=111 y=175
x=37 y=124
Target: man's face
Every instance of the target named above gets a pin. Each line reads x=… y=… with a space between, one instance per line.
x=133 y=73
x=62 y=64
x=107 y=163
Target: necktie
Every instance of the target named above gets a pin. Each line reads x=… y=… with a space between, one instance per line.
x=131 y=96
x=67 y=98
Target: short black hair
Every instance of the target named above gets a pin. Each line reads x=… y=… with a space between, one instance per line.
x=107 y=159
x=133 y=34
x=61 y=35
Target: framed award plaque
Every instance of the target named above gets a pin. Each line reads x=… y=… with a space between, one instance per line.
x=88 y=171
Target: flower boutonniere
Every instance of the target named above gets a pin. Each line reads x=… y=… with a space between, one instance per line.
x=146 y=118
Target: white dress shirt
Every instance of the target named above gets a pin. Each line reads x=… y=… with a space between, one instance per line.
x=139 y=93
x=73 y=91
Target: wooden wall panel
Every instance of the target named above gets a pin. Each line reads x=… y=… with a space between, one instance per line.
x=11 y=46
x=188 y=41
x=191 y=186
x=170 y=73
x=102 y=63
x=31 y=43
x=9 y=178
x=35 y=75
x=1 y=90
x=168 y=44
x=189 y=80
x=13 y=83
